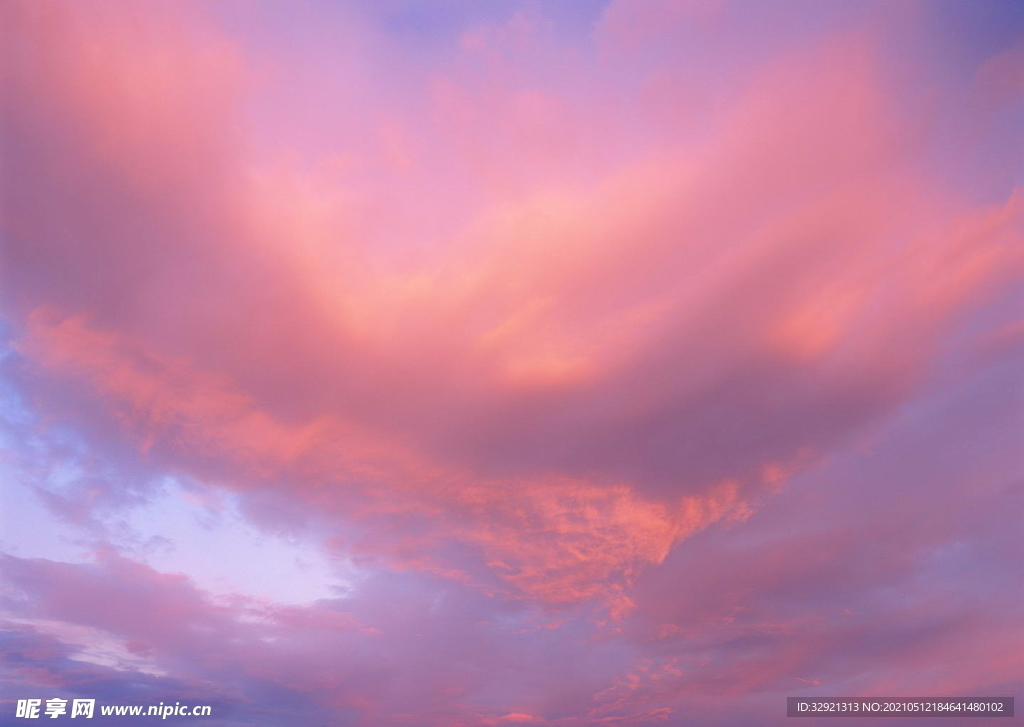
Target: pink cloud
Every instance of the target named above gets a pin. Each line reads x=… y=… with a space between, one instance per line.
x=543 y=331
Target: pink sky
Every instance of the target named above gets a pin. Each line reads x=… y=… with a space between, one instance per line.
x=458 y=364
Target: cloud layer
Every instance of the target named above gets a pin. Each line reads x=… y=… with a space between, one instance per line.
x=628 y=365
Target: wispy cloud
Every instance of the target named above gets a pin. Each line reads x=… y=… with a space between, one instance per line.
x=599 y=366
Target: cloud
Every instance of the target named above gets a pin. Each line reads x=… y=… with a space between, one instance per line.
x=536 y=329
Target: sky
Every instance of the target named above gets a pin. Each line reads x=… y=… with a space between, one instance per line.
x=546 y=364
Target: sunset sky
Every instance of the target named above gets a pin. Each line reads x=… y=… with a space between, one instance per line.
x=474 y=363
